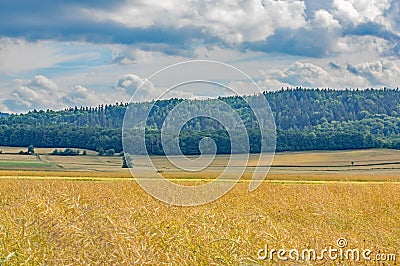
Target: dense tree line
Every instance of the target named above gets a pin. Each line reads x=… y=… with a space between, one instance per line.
x=61 y=136
x=306 y=119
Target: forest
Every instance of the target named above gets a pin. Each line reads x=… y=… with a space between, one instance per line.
x=305 y=119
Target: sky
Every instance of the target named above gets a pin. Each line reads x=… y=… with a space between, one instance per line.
x=60 y=53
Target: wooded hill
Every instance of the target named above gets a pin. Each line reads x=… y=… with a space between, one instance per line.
x=306 y=119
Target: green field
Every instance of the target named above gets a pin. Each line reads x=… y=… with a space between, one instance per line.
x=22 y=164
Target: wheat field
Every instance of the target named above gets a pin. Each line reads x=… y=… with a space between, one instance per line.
x=115 y=223
x=71 y=217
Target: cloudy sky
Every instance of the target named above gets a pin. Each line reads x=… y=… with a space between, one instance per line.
x=60 y=53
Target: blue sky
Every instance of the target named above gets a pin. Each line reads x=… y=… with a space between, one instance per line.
x=54 y=54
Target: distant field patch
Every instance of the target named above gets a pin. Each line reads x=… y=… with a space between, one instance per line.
x=23 y=164
x=6 y=149
x=358 y=165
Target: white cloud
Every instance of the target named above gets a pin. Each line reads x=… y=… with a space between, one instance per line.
x=127 y=55
x=251 y=20
x=42 y=93
x=145 y=90
x=313 y=76
x=39 y=93
x=379 y=73
x=304 y=74
x=392 y=17
x=260 y=34
x=232 y=21
x=131 y=82
x=240 y=21
x=345 y=11
x=271 y=84
x=359 y=11
x=80 y=96
x=369 y=46
x=324 y=19
x=17 y=55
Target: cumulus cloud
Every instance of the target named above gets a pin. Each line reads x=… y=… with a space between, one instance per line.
x=379 y=73
x=324 y=19
x=126 y=55
x=306 y=28
x=393 y=18
x=80 y=96
x=368 y=45
x=121 y=33
x=360 y=11
x=131 y=83
x=317 y=38
x=301 y=74
x=144 y=90
x=233 y=21
x=42 y=93
x=313 y=76
x=373 y=19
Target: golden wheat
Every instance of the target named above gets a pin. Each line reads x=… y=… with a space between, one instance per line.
x=100 y=223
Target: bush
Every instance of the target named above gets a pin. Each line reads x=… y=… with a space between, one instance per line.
x=109 y=152
x=56 y=152
x=124 y=163
x=31 y=149
x=101 y=152
x=66 y=152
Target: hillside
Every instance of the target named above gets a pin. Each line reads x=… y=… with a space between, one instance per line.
x=306 y=119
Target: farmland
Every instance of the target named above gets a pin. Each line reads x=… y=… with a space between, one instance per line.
x=359 y=165
x=60 y=210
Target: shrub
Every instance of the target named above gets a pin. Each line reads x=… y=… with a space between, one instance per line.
x=109 y=152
